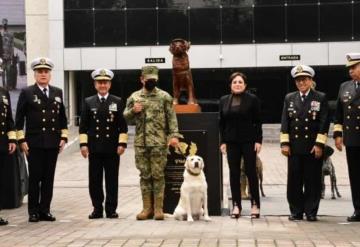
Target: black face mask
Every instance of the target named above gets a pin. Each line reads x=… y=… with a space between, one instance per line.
x=150 y=84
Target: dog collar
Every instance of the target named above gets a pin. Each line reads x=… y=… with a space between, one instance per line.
x=191 y=173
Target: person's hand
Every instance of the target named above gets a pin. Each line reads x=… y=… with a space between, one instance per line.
x=174 y=142
x=12 y=147
x=120 y=150
x=318 y=151
x=257 y=147
x=24 y=148
x=84 y=151
x=285 y=150
x=62 y=145
x=223 y=148
x=339 y=143
x=138 y=107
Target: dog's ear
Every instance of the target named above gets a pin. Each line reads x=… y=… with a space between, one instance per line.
x=186 y=163
x=171 y=48
x=187 y=44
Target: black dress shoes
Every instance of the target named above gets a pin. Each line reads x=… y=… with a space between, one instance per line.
x=294 y=217
x=311 y=218
x=112 y=215
x=3 y=222
x=34 y=218
x=95 y=215
x=354 y=218
x=46 y=217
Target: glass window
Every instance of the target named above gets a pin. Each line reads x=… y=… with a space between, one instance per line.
x=335 y=1
x=79 y=30
x=109 y=28
x=302 y=27
x=138 y=4
x=237 y=3
x=179 y=4
x=315 y=2
x=141 y=27
x=269 y=24
x=269 y=2
x=205 y=26
x=173 y=23
x=335 y=22
x=78 y=4
x=357 y=21
x=237 y=25
x=110 y=4
x=204 y=3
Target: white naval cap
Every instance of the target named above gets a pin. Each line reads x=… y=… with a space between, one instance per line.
x=42 y=63
x=302 y=70
x=352 y=59
x=102 y=74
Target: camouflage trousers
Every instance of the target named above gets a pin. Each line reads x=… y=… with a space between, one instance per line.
x=151 y=162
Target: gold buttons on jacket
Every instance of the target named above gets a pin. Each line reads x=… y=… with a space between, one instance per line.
x=44 y=129
x=306 y=136
x=44 y=111
x=348 y=117
x=296 y=128
x=97 y=136
x=296 y=119
x=44 y=120
x=296 y=136
x=349 y=107
x=97 y=128
x=306 y=119
x=306 y=128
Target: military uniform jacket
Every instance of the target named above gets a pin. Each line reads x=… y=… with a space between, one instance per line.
x=347 y=114
x=102 y=125
x=157 y=122
x=304 y=124
x=7 y=130
x=44 y=117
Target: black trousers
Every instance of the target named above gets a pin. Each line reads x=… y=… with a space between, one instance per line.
x=304 y=184
x=353 y=161
x=235 y=151
x=98 y=163
x=42 y=164
x=3 y=157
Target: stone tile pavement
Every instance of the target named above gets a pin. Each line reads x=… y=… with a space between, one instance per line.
x=71 y=205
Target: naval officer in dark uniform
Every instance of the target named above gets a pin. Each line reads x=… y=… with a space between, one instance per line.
x=103 y=138
x=304 y=128
x=347 y=128
x=7 y=133
x=41 y=109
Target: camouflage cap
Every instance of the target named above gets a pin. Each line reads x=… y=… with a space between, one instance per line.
x=150 y=72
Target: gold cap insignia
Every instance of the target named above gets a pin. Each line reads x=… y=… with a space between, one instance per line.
x=299 y=69
x=102 y=72
x=42 y=61
x=348 y=57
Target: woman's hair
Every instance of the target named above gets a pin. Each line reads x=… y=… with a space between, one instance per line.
x=235 y=74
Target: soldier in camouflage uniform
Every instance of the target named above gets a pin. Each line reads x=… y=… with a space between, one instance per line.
x=8 y=53
x=150 y=109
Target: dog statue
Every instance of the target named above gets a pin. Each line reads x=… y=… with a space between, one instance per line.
x=245 y=192
x=193 y=192
x=182 y=78
x=328 y=169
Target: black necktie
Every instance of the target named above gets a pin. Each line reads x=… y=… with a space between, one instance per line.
x=357 y=86
x=102 y=99
x=44 y=91
x=303 y=97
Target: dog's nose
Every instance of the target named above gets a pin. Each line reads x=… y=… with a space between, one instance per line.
x=196 y=164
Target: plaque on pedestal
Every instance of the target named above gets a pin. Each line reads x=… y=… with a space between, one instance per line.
x=200 y=131
x=191 y=108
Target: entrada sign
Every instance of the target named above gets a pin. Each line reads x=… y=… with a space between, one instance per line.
x=289 y=57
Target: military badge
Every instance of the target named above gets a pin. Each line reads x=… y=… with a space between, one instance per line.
x=113 y=107
x=42 y=61
x=315 y=105
x=5 y=100
x=58 y=99
x=102 y=72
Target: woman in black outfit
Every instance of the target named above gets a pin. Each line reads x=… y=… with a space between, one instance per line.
x=241 y=136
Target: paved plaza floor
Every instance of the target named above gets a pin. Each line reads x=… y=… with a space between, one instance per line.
x=71 y=206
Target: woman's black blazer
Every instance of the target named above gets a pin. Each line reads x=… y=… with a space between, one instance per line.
x=242 y=123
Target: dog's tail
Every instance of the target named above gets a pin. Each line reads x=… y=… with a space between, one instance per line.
x=169 y=216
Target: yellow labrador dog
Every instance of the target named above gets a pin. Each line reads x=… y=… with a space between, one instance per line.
x=193 y=192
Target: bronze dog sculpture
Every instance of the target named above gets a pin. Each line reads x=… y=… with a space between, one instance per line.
x=182 y=78
x=244 y=181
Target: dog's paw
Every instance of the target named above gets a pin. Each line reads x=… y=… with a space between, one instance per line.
x=190 y=219
x=207 y=218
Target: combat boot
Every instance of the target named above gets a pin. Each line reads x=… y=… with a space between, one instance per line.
x=148 y=211
x=159 y=200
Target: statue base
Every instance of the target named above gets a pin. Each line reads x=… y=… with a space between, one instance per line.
x=190 y=108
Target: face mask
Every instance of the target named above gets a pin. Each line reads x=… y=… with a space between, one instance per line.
x=150 y=84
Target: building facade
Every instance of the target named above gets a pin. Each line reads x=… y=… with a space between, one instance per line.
x=263 y=38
